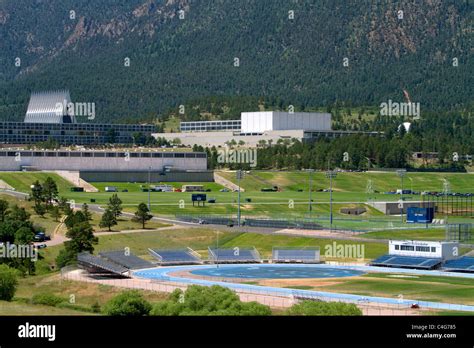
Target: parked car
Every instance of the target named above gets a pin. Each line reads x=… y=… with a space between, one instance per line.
x=41 y=237
x=224 y=190
x=41 y=246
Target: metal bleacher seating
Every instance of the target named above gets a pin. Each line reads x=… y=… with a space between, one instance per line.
x=127 y=260
x=96 y=264
x=235 y=255
x=176 y=256
x=295 y=255
x=406 y=262
x=463 y=264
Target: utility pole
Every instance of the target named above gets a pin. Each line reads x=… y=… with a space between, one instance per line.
x=330 y=174
x=149 y=200
x=310 y=202
x=401 y=173
x=239 y=177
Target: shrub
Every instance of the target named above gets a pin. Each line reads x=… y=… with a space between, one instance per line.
x=128 y=303
x=8 y=282
x=324 y=308
x=47 y=299
x=95 y=307
x=203 y=301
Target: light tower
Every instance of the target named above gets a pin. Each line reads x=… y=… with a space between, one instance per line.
x=330 y=174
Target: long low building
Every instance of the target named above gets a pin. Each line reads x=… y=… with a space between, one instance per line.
x=73 y=133
x=220 y=138
x=97 y=161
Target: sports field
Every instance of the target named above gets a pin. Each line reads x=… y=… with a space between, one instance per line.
x=290 y=202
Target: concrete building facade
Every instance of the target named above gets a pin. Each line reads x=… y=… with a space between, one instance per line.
x=259 y=122
x=121 y=161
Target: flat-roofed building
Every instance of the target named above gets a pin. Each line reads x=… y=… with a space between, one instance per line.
x=259 y=128
x=73 y=133
x=101 y=161
x=210 y=126
x=262 y=121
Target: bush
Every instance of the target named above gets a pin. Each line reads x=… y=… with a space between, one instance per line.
x=95 y=307
x=47 y=299
x=8 y=282
x=65 y=257
x=128 y=303
x=324 y=308
x=203 y=301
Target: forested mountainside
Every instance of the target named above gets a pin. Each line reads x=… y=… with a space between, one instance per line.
x=256 y=53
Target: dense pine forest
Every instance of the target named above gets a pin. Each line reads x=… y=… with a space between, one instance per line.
x=136 y=59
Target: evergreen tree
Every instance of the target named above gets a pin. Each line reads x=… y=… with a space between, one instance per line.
x=108 y=219
x=142 y=215
x=115 y=205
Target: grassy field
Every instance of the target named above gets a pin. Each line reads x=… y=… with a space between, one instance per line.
x=417 y=288
x=85 y=296
x=22 y=181
x=291 y=202
x=354 y=182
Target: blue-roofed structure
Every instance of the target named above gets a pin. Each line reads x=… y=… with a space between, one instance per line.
x=95 y=264
x=127 y=260
x=281 y=255
x=234 y=255
x=407 y=262
x=176 y=256
x=463 y=264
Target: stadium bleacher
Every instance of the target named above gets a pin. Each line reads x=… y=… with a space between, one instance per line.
x=129 y=261
x=235 y=255
x=406 y=262
x=176 y=256
x=95 y=264
x=295 y=255
x=463 y=264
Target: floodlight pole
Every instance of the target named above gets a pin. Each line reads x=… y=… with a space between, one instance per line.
x=445 y=189
x=401 y=173
x=239 y=176
x=310 y=206
x=149 y=200
x=330 y=174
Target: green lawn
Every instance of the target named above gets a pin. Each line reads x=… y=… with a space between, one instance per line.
x=22 y=181
x=421 y=288
x=354 y=182
x=420 y=234
x=417 y=288
x=264 y=244
x=349 y=192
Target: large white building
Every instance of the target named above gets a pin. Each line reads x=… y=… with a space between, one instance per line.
x=259 y=122
x=258 y=128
